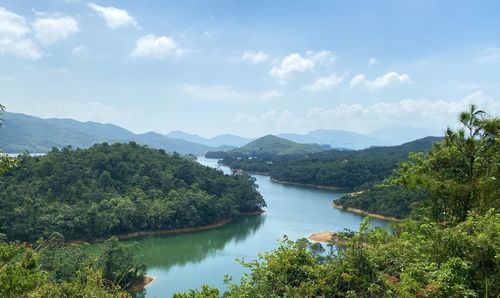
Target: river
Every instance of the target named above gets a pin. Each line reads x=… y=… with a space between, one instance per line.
x=183 y=261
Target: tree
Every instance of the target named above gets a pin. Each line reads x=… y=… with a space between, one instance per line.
x=460 y=174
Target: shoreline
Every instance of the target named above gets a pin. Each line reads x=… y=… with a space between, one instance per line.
x=307 y=185
x=365 y=213
x=248 y=172
x=139 y=286
x=138 y=234
x=327 y=237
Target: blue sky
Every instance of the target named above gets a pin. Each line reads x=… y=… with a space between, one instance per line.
x=250 y=67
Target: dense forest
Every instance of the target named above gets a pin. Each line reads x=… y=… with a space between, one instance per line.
x=338 y=168
x=114 y=189
x=448 y=248
x=268 y=146
x=358 y=170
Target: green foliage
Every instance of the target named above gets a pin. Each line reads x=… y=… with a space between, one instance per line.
x=393 y=201
x=120 y=264
x=114 y=189
x=21 y=275
x=205 y=292
x=462 y=174
x=451 y=251
x=338 y=168
x=267 y=147
x=423 y=259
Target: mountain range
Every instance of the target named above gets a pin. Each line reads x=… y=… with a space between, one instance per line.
x=22 y=132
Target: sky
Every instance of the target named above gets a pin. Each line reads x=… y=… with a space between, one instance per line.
x=250 y=67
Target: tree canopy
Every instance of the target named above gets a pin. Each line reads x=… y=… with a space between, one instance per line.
x=114 y=189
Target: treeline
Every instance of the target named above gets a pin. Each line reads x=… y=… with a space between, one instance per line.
x=356 y=170
x=115 y=189
x=337 y=168
x=448 y=248
x=388 y=201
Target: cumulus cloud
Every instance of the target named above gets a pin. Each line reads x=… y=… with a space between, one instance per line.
x=415 y=112
x=322 y=57
x=254 y=57
x=433 y=115
x=53 y=29
x=14 y=36
x=155 y=46
x=291 y=64
x=114 y=17
x=372 y=61
x=271 y=95
x=325 y=83
x=386 y=80
x=489 y=55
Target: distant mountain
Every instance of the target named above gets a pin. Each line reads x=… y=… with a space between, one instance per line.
x=335 y=138
x=273 y=145
x=401 y=134
x=28 y=133
x=217 y=141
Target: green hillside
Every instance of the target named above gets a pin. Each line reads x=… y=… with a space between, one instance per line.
x=115 y=189
x=272 y=145
x=22 y=133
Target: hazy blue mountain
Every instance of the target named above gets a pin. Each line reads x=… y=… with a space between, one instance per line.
x=273 y=145
x=217 y=141
x=28 y=133
x=401 y=134
x=335 y=138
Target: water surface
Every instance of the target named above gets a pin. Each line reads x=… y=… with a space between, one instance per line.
x=183 y=261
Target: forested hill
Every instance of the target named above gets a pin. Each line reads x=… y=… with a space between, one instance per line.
x=269 y=146
x=28 y=133
x=348 y=169
x=116 y=189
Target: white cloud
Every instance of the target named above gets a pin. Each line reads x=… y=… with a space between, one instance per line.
x=372 y=61
x=14 y=36
x=243 y=118
x=325 y=83
x=407 y=112
x=269 y=115
x=12 y=25
x=254 y=57
x=114 y=17
x=291 y=64
x=155 y=46
x=386 y=80
x=489 y=55
x=432 y=115
x=50 y=30
x=227 y=93
x=271 y=95
x=322 y=57
x=214 y=93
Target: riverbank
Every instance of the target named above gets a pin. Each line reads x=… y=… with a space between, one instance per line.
x=326 y=237
x=186 y=230
x=137 y=234
x=306 y=185
x=137 y=287
x=249 y=172
x=365 y=213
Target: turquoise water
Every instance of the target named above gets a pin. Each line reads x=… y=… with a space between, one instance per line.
x=183 y=261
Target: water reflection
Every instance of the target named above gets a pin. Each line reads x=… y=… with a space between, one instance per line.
x=164 y=252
